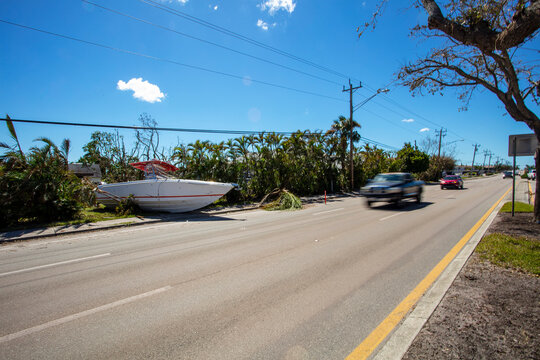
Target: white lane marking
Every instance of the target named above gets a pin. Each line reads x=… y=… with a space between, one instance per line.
x=54 y=264
x=390 y=216
x=327 y=211
x=69 y=318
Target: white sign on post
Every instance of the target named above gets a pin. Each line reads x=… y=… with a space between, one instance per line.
x=520 y=145
x=526 y=145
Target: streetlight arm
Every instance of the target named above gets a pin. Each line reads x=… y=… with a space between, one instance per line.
x=356 y=107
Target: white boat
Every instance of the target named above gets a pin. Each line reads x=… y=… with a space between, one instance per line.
x=159 y=192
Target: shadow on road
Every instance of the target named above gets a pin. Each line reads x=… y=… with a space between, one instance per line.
x=190 y=216
x=329 y=200
x=402 y=206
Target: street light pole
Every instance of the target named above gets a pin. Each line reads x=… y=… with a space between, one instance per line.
x=351 y=89
x=352 y=110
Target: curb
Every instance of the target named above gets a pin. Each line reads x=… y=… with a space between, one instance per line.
x=99 y=227
x=4 y=238
x=399 y=342
x=73 y=231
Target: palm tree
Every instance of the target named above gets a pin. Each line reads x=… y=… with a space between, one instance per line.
x=341 y=128
x=338 y=130
x=64 y=151
x=11 y=154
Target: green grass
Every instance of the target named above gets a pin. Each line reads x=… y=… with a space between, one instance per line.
x=88 y=215
x=514 y=253
x=518 y=207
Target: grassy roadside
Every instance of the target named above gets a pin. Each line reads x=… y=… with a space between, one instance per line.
x=518 y=253
x=518 y=207
x=88 y=215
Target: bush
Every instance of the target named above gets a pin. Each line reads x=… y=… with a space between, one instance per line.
x=127 y=206
x=37 y=187
x=42 y=194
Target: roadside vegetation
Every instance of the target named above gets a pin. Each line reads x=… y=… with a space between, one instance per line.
x=520 y=253
x=284 y=200
x=86 y=215
x=37 y=188
x=518 y=207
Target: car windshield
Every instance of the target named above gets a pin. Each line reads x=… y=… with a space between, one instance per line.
x=450 y=178
x=389 y=177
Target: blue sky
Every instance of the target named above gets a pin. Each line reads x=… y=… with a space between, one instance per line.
x=45 y=77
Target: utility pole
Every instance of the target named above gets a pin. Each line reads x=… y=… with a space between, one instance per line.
x=476 y=146
x=490 y=155
x=441 y=135
x=351 y=89
x=486 y=153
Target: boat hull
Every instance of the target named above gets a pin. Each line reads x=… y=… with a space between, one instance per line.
x=164 y=195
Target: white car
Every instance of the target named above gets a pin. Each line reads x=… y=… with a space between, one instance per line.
x=532 y=175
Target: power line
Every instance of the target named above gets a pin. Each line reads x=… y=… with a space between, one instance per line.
x=389 y=121
x=205 y=69
x=208 y=42
x=239 y=36
x=194 y=67
x=420 y=116
x=395 y=103
x=365 y=140
x=206 y=131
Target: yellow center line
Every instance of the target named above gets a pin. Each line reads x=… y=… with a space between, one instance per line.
x=370 y=343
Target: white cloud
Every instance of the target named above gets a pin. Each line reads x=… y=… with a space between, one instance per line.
x=424 y=129
x=215 y=7
x=407 y=120
x=262 y=25
x=142 y=90
x=275 y=5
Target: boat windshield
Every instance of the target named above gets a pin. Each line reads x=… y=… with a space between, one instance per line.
x=155 y=169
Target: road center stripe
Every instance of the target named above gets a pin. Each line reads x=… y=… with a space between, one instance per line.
x=69 y=318
x=370 y=343
x=54 y=264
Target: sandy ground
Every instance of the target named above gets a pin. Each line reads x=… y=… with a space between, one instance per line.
x=489 y=312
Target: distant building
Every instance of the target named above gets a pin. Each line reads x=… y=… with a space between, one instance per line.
x=91 y=172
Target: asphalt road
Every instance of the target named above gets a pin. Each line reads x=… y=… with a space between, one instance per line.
x=309 y=284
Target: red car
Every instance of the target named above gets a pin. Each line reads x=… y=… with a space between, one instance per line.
x=453 y=181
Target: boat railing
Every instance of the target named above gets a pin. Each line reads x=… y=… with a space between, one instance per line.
x=152 y=172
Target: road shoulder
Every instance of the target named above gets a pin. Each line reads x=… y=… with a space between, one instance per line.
x=400 y=340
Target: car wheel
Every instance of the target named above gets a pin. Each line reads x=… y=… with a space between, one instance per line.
x=442 y=187
x=369 y=203
x=419 y=197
